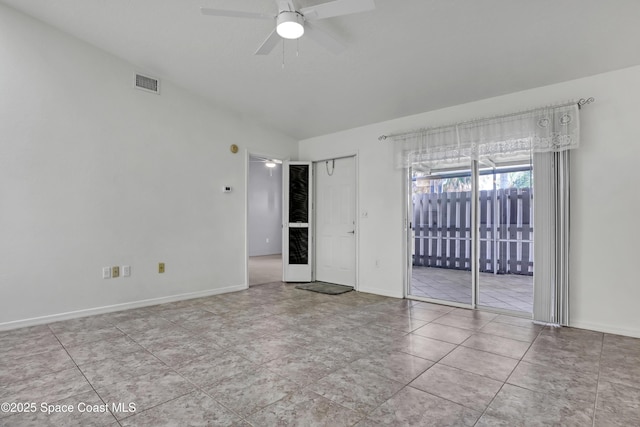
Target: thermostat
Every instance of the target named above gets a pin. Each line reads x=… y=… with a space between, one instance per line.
x=226 y=189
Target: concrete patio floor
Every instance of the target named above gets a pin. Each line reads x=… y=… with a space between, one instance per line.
x=504 y=291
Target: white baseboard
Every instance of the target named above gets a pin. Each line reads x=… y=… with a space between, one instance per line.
x=635 y=333
x=117 y=307
x=378 y=291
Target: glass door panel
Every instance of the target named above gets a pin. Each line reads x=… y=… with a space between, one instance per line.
x=441 y=246
x=505 y=256
x=296 y=254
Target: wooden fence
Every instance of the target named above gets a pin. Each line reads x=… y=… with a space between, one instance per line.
x=442 y=226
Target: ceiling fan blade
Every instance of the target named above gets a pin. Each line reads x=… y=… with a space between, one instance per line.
x=336 y=8
x=234 y=13
x=285 y=5
x=269 y=44
x=323 y=38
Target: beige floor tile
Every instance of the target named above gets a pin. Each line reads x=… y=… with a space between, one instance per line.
x=413 y=407
x=498 y=345
x=480 y=362
x=357 y=389
x=462 y=387
x=276 y=355
x=519 y=406
x=305 y=409
x=194 y=409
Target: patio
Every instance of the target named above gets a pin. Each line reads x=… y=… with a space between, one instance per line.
x=504 y=291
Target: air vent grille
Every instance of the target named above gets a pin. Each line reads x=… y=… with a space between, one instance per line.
x=146 y=83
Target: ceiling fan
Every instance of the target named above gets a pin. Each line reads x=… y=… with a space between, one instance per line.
x=292 y=23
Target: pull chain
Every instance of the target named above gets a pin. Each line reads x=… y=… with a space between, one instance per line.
x=333 y=166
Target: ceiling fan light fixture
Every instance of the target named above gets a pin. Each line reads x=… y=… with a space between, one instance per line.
x=290 y=25
x=270 y=164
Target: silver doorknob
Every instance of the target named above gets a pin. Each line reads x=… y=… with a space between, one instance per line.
x=352 y=232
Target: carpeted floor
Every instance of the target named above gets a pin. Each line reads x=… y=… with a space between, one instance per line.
x=265 y=269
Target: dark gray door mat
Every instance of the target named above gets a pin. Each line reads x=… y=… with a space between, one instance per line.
x=325 y=288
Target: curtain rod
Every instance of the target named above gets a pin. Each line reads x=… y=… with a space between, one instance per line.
x=581 y=102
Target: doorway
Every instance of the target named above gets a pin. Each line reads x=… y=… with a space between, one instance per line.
x=471 y=235
x=264 y=220
x=335 y=224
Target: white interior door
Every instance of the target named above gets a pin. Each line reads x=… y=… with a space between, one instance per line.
x=336 y=221
x=297 y=219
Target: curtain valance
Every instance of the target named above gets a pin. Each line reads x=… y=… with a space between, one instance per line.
x=549 y=129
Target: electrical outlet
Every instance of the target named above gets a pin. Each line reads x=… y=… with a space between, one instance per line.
x=115 y=271
x=106 y=272
x=161 y=267
x=267 y=240
x=126 y=270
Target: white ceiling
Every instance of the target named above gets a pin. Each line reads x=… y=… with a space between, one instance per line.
x=403 y=58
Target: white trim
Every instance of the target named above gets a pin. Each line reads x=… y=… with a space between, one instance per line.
x=343 y=155
x=116 y=307
x=297 y=272
x=247 y=162
x=356 y=162
x=356 y=215
x=407 y=273
x=635 y=333
x=475 y=234
x=247 y=156
x=313 y=231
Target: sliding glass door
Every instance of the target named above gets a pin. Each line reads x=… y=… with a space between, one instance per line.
x=505 y=255
x=441 y=244
x=471 y=241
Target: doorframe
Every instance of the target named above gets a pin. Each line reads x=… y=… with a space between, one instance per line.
x=475 y=246
x=297 y=273
x=314 y=161
x=408 y=241
x=407 y=225
x=247 y=163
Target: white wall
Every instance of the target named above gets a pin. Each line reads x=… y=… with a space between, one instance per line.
x=95 y=173
x=605 y=198
x=265 y=209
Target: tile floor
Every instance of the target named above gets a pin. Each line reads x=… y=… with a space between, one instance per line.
x=505 y=291
x=275 y=355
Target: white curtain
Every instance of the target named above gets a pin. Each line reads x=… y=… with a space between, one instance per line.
x=551 y=237
x=546 y=135
x=511 y=136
